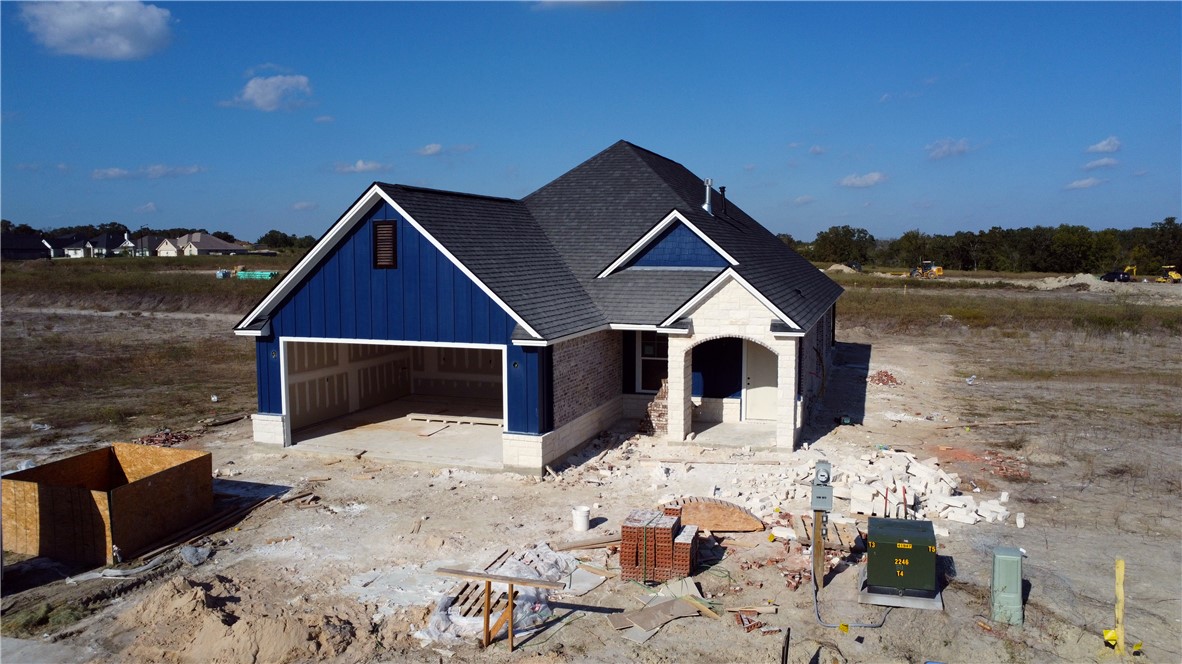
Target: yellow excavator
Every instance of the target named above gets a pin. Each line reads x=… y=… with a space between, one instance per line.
x=1169 y=274
x=927 y=270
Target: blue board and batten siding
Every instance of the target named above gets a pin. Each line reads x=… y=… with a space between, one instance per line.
x=678 y=246
x=425 y=299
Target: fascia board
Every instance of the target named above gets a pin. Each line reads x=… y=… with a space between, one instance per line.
x=315 y=254
x=638 y=246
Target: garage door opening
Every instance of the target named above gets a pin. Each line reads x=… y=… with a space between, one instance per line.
x=391 y=396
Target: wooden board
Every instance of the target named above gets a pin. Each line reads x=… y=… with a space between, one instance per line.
x=716 y=515
x=839 y=536
x=454 y=419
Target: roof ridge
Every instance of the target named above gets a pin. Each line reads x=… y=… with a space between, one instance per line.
x=446 y=192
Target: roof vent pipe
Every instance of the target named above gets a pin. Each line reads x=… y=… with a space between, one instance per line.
x=722 y=195
x=707 y=206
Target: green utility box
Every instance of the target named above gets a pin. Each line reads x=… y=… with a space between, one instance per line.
x=1007 y=585
x=901 y=557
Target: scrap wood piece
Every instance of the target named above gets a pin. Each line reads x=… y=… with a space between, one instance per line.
x=277 y=540
x=771 y=608
x=593 y=543
x=596 y=570
x=432 y=430
x=700 y=604
x=329 y=463
x=297 y=496
x=319 y=479
x=618 y=620
x=1007 y=423
x=716 y=515
x=360 y=454
x=500 y=578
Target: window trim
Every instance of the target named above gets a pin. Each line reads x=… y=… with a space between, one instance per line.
x=641 y=359
x=378 y=226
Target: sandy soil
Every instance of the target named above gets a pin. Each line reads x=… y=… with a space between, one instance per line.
x=349 y=577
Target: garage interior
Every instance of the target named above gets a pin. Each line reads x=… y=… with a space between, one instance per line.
x=430 y=403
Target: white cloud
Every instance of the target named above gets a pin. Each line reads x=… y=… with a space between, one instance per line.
x=110 y=174
x=886 y=96
x=153 y=172
x=361 y=166
x=1086 y=183
x=102 y=30
x=802 y=200
x=270 y=93
x=1103 y=162
x=868 y=180
x=435 y=149
x=146 y=208
x=946 y=147
x=1110 y=144
x=62 y=167
x=749 y=168
x=323 y=119
x=430 y=150
x=816 y=149
x=304 y=205
x=157 y=171
x=1140 y=172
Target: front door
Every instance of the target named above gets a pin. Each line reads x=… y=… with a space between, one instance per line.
x=759 y=385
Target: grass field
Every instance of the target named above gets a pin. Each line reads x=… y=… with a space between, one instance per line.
x=163 y=345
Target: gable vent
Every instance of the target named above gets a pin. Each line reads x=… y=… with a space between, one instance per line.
x=385 y=245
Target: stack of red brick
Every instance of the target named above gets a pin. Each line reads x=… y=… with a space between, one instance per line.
x=655 y=547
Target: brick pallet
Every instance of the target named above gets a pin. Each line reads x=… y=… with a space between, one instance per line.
x=655 y=547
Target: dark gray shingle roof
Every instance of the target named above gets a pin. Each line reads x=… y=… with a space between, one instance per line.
x=596 y=211
x=498 y=240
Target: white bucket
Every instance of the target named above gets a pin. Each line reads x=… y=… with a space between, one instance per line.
x=582 y=518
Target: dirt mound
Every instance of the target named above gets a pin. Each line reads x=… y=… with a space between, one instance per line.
x=217 y=621
x=1075 y=282
x=838 y=267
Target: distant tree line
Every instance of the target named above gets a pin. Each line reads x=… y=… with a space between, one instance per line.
x=1065 y=248
x=272 y=239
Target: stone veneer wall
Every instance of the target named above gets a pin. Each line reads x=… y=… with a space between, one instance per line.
x=588 y=372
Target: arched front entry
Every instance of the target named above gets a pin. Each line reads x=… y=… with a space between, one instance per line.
x=732 y=378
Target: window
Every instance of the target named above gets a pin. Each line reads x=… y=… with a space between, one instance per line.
x=385 y=244
x=653 y=357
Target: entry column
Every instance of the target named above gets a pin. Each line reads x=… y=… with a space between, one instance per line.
x=786 y=412
x=680 y=407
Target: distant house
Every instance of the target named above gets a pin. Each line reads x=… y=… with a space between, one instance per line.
x=169 y=248
x=110 y=244
x=146 y=245
x=57 y=245
x=100 y=246
x=22 y=247
x=204 y=244
x=79 y=249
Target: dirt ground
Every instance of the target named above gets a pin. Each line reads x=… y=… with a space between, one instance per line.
x=349 y=577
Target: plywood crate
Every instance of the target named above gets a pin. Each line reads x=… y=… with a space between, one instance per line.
x=126 y=496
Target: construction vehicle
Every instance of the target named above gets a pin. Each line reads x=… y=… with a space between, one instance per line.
x=927 y=270
x=1169 y=274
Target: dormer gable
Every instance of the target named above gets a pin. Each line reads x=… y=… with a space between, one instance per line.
x=675 y=242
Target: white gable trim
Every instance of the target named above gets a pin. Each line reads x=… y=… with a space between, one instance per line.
x=338 y=232
x=715 y=285
x=640 y=245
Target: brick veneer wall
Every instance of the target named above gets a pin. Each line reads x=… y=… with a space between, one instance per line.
x=588 y=372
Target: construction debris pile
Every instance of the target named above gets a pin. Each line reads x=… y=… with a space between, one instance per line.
x=885 y=378
x=164 y=438
x=882 y=483
x=654 y=546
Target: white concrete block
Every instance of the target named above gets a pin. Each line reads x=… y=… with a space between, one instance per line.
x=1005 y=497
x=962 y=516
x=842 y=491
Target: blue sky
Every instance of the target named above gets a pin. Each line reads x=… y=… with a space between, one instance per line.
x=889 y=117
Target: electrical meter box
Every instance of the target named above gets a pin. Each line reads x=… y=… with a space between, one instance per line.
x=901 y=557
